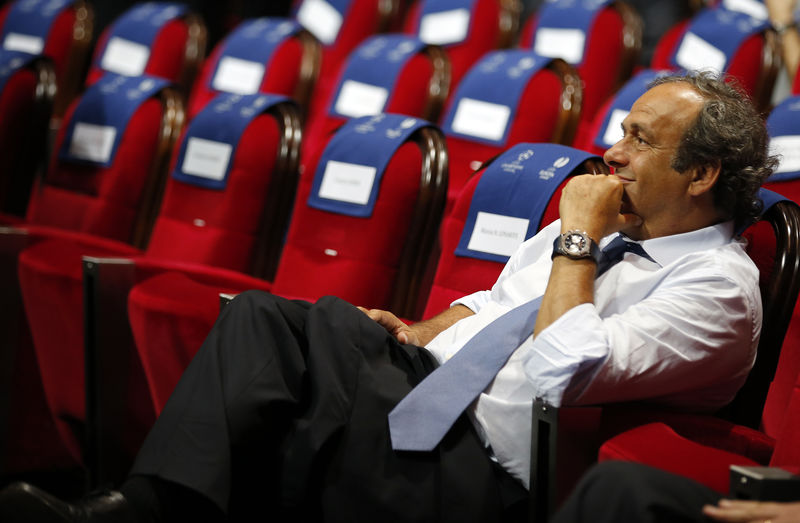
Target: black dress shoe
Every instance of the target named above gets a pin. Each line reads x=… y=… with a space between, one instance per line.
x=21 y=502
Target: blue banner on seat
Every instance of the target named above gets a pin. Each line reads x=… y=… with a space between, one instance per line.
x=610 y=132
x=783 y=125
x=370 y=74
x=713 y=37
x=28 y=23
x=485 y=103
x=101 y=117
x=209 y=145
x=511 y=197
x=563 y=28
x=247 y=52
x=11 y=62
x=132 y=35
x=445 y=22
x=323 y=18
x=348 y=175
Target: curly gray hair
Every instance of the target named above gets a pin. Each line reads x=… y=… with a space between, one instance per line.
x=730 y=134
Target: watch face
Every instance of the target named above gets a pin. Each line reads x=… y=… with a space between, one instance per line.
x=575 y=244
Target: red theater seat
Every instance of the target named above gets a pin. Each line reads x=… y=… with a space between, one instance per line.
x=610 y=53
x=492 y=24
x=458 y=275
x=548 y=110
x=26 y=103
x=422 y=80
x=175 y=53
x=292 y=68
x=67 y=43
x=754 y=64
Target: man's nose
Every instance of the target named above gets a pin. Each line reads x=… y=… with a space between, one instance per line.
x=615 y=156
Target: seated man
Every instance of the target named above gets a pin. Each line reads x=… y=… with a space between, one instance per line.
x=286 y=407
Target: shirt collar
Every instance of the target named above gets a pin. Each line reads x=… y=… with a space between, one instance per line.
x=666 y=249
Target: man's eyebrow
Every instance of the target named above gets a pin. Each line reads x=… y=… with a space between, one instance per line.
x=636 y=128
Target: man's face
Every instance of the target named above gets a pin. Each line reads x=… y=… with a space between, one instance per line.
x=642 y=159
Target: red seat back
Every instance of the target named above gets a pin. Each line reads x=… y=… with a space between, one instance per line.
x=492 y=25
x=369 y=261
x=114 y=201
x=292 y=71
x=457 y=276
x=553 y=94
x=610 y=52
x=175 y=53
x=68 y=45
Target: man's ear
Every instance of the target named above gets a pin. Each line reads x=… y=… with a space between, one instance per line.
x=703 y=178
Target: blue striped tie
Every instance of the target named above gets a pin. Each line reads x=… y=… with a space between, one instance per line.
x=423 y=417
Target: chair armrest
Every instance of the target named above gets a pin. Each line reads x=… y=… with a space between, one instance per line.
x=564 y=443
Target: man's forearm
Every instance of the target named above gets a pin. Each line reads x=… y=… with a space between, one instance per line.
x=428 y=329
x=571 y=284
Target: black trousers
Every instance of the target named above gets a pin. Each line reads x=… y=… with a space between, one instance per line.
x=617 y=491
x=284 y=409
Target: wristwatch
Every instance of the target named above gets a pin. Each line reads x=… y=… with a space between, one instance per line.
x=576 y=245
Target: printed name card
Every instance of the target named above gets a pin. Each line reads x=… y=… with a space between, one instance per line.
x=347 y=182
x=209 y=145
x=28 y=23
x=754 y=8
x=348 y=176
x=695 y=54
x=359 y=99
x=788 y=148
x=566 y=44
x=25 y=43
x=206 y=158
x=481 y=119
x=497 y=234
x=321 y=19
x=125 y=57
x=235 y=75
x=444 y=27
x=91 y=142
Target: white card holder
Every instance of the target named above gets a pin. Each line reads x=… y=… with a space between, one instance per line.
x=497 y=234
x=238 y=76
x=754 y=8
x=321 y=19
x=481 y=119
x=445 y=27
x=206 y=158
x=695 y=54
x=125 y=57
x=347 y=182
x=92 y=142
x=360 y=99
x=613 y=132
x=788 y=148
x=566 y=44
x=25 y=43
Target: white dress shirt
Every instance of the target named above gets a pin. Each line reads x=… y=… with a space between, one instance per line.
x=681 y=330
